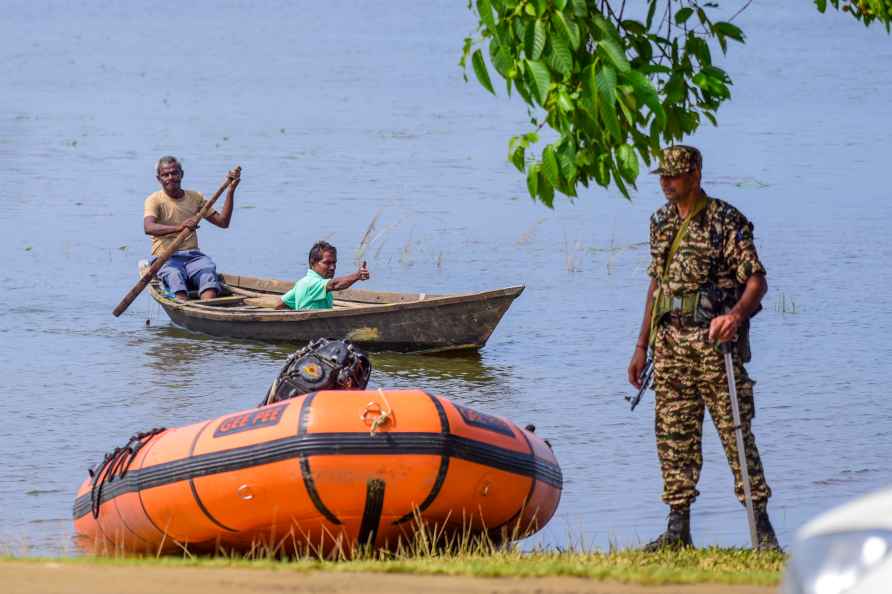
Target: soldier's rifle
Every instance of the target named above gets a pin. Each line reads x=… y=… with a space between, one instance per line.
x=727 y=348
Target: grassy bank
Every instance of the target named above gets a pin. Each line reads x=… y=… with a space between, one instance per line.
x=692 y=566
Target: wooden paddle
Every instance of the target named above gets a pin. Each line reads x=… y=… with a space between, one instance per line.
x=166 y=254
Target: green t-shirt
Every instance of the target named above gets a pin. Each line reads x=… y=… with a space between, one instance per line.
x=309 y=293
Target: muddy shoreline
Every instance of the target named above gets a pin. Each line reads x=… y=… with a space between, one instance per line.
x=49 y=577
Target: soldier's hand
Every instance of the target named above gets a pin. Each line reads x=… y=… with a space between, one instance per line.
x=636 y=366
x=724 y=328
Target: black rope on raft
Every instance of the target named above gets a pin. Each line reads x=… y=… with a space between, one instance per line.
x=116 y=464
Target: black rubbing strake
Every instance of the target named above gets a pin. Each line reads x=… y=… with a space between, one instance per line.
x=328 y=444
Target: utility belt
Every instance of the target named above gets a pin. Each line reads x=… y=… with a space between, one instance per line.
x=695 y=309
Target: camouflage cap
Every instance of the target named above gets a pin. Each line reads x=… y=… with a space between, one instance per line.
x=679 y=159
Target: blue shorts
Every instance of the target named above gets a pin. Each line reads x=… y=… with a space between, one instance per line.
x=189 y=270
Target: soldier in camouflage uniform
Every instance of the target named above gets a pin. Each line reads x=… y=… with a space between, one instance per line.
x=706 y=282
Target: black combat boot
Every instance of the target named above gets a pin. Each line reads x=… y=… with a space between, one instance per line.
x=677 y=534
x=765 y=537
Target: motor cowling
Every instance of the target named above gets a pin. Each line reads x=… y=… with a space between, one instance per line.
x=321 y=365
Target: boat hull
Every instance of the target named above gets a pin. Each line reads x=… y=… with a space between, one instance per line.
x=376 y=321
x=429 y=329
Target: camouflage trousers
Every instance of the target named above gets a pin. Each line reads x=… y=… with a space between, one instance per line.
x=689 y=377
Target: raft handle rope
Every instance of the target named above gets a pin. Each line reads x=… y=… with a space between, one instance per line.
x=116 y=464
x=384 y=415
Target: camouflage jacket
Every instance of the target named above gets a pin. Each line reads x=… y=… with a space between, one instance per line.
x=718 y=249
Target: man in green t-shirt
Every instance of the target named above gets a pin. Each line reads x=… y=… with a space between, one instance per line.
x=314 y=291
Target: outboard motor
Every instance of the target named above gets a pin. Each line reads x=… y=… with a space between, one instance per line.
x=321 y=365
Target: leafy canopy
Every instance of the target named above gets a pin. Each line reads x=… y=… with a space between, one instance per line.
x=614 y=88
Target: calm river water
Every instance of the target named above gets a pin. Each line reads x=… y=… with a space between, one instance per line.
x=341 y=110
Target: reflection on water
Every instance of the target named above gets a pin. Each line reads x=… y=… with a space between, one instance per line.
x=328 y=140
x=467 y=367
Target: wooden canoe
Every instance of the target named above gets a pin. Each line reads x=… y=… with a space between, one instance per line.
x=374 y=320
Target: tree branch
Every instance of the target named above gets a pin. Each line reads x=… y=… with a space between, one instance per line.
x=742 y=8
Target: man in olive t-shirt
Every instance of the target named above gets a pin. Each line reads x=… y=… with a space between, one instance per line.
x=313 y=291
x=173 y=209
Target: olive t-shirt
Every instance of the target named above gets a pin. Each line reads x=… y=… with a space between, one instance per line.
x=173 y=211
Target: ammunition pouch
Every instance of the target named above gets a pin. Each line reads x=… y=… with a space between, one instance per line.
x=711 y=303
x=743 y=342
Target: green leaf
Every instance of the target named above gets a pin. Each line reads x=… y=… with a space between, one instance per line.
x=560 y=4
x=550 y=166
x=465 y=51
x=822 y=5
x=618 y=180
x=607 y=29
x=484 y=8
x=481 y=71
x=675 y=89
x=533 y=181
x=704 y=19
x=518 y=158
x=565 y=102
x=566 y=156
x=534 y=41
x=628 y=163
x=606 y=80
x=540 y=78
x=560 y=58
x=580 y=7
x=571 y=34
x=714 y=86
x=522 y=90
x=590 y=90
x=587 y=123
x=602 y=170
x=728 y=30
x=683 y=15
x=634 y=27
x=546 y=191
x=504 y=63
x=615 y=54
x=645 y=91
x=699 y=48
x=651 y=10
x=520 y=28
x=611 y=120
x=717 y=73
x=629 y=108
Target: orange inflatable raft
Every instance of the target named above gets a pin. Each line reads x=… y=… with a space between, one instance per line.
x=325 y=471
